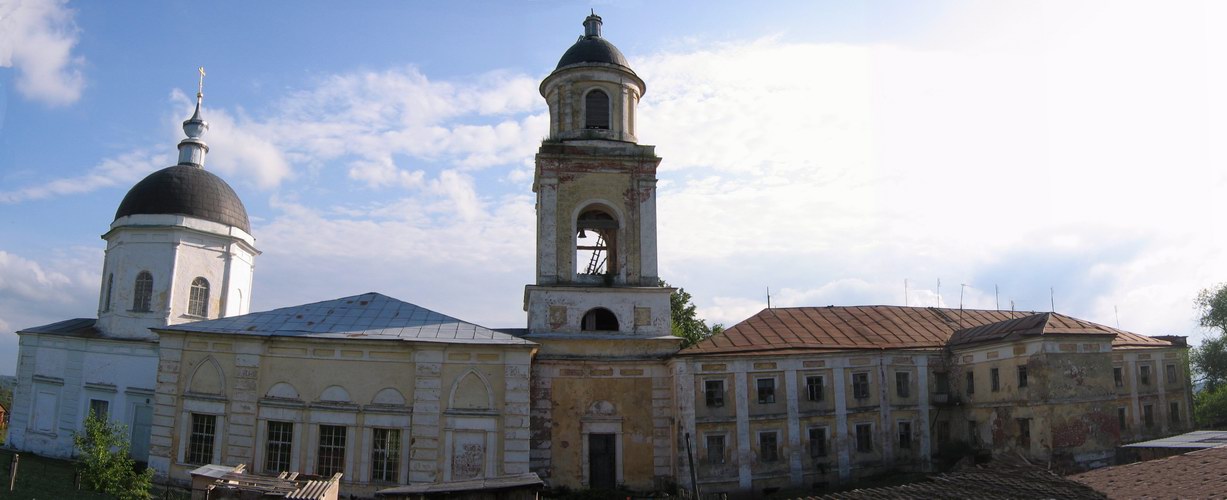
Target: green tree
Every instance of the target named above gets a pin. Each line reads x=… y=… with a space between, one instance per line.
x=1210 y=358
x=686 y=322
x=1210 y=408
x=105 y=464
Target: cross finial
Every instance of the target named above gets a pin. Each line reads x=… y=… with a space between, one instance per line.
x=200 y=89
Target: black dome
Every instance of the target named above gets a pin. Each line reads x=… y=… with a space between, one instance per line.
x=593 y=49
x=186 y=190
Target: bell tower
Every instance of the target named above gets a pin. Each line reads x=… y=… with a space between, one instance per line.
x=596 y=203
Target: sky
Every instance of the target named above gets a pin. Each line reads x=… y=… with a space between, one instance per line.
x=1029 y=155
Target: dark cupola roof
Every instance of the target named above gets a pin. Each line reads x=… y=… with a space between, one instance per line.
x=187 y=188
x=591 y=48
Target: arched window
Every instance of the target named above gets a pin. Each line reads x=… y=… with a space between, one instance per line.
x=142 y=293
x=599 y=320
x=106 y=293
x=595 y=242
x=198 y=299
x=596 y=110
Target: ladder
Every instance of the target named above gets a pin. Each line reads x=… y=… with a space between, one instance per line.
x=598 y=256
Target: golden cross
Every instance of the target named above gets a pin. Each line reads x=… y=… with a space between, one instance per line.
x=200 y=90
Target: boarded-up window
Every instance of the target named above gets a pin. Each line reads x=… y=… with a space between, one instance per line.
x=44 y=411
x=596 y=110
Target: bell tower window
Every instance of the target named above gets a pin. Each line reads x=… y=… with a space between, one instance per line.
x=596 y=110
x=106 y=295
x=599 y=320
x=595 y=243
x=198 y=299
x=142 y=293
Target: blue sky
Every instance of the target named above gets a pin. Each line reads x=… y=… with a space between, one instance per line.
x=1055 y=151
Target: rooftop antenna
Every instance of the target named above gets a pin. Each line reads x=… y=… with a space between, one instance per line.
x=939 y=292
x=905 y=292
x=1011 y=305
x=1117 y=311
x=961 y=287
x=1052 y=298
x=997 y=295
x=768 y=297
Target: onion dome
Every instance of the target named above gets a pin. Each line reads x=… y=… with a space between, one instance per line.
x=591 y=48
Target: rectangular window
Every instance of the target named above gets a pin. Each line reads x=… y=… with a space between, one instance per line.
x=995 y=379
x=1171 y=374
x=99 y=408
x=905 y=435
x=715 y=449
x=767 y=447
x=1173 y=413
x=903 y=384
x=1120 y=419
x=971 y=382
x=385 y=455
x=766 y=390
x=973 y=434
x=1148 y=415
x=864 y=438
x=277 y=446
x=200 y=441
x=1022 y=376
x=860 y=385
x=1144 y=374
x=942 y=431
x=941 y=382
x=817 y=442
x=1118 y=376
x=713 y=391
x=331 y=450
x=1024 y=433
x=814 y=388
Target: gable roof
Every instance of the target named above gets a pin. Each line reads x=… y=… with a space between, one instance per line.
x=893 y=327
x=980 y=483
x=370 y=316
x=1196 y=474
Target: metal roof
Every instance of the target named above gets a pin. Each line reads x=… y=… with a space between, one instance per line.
x=780 y=330
x=186 y=190
x=370 y=316
x=77 y=327
x=1195 y=439
x=525 y=480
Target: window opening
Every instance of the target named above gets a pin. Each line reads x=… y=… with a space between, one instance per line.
x=714 y=392
x=971 y=383
x=715 y=449
x=200 y=441
x=599 y=320
x=595 y=241
x=596 y=110
x=903 y=384
x=814 y=388
x=1173 y=414
x=864 y=438
x=99 y=408
x=766 y=390
x=767 y=447
x=106 y=295
x=1148 y=415
x=385 y=455
x=905 y=435
x=941 y=382
x=1118 y=376
x=198 y=299
x=818 y=442
x=1171 y=374
x=1022 y=376
x=332 y=450
x=995 y=376
x=1120 y=418
x=973 y=435
x=860 y=385
x=142 y=293
x=1024 y=433
x=278 y=446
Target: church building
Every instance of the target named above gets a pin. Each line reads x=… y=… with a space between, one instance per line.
x=595 y=392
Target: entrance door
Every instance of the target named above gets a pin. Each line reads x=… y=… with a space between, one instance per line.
x=142 y=420
x=602 y=472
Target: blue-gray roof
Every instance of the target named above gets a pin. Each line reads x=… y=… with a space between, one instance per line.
x=370 y=316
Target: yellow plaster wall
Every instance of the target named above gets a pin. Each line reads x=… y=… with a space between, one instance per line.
x=571 y=398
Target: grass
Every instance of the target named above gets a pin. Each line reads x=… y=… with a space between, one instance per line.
x=48 y=478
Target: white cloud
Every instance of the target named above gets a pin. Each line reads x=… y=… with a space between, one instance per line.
x=123 y=171
x=37 y=38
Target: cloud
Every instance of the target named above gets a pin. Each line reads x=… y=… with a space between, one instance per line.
x=123 y=171
x=37 y=38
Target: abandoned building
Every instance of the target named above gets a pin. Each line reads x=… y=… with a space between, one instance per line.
x=595 y=392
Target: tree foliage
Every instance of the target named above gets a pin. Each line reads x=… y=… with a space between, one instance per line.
x=1209 y=360
x=105 y=464
x=686 y=322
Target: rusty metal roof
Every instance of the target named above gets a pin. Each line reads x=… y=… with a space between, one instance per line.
x=1196 y=474
x=779 y=330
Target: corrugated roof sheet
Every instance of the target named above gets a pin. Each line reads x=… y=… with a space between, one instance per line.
x=371 y=316
x=1196 y=474
x=892 y=327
